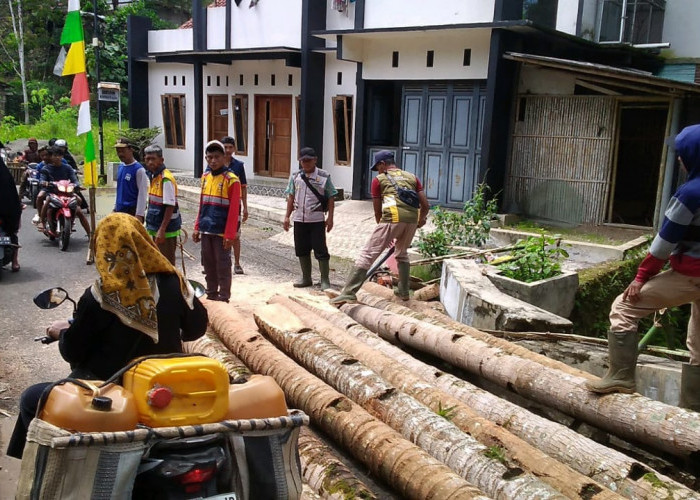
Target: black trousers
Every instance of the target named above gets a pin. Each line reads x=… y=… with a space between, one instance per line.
x=311 y=236
x=27 y=410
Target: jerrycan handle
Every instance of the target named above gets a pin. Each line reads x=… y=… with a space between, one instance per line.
x=116 y=378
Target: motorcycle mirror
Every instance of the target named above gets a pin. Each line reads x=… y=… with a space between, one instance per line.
x=198 y=288
x=51 y=298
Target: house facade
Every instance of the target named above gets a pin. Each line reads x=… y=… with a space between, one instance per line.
x=547 y=101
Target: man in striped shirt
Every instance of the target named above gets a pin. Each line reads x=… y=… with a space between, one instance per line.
x=678 y=241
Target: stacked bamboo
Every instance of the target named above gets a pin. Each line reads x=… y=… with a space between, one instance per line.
x=429 y=434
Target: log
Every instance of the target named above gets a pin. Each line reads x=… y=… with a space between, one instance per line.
x=560 y=476
x=445 y=321
x=325 y=474
x=321 y=470
x=432 y=432
x=427 y=293
x=632 y=417
x=407 y=468
x=620 y=473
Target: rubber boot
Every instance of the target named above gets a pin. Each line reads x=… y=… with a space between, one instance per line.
x=347 y=294
x=690 y=387
x=305 y=263
x=324 y=267
x=403 y=288
x=623 y=351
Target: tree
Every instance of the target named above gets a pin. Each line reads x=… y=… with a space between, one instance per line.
x=18 y=64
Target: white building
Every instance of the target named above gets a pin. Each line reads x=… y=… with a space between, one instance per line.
x=548 y=101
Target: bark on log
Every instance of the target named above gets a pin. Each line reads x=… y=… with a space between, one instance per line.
x=427 y=293
x=445 y=321
x=632 y=417
x=325 y=474
x=212 y=347
x=321 y=470
x=407 y=468
x=435 y=434
x=560 y=476
x=609 y=467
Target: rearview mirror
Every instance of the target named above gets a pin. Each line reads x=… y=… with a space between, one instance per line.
x=51 y=298
x=198 y=288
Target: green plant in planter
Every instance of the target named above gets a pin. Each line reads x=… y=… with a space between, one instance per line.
x=536 y=258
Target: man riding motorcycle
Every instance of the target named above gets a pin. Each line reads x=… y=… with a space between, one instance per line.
x=56 y=170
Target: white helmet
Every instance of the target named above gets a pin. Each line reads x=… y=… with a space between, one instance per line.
x=61 y=143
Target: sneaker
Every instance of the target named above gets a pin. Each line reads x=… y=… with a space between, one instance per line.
x=35 y=219
x=238 y=270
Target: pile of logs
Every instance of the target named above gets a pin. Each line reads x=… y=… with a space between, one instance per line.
x=428 y=434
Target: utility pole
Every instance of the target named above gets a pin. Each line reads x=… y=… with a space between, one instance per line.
x=96 y=47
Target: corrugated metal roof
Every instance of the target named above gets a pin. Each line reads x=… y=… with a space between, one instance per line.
x=656 y=83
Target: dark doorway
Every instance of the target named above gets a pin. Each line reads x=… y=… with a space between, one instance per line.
x=636 y=181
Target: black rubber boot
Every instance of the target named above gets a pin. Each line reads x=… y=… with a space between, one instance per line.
x=305 y=263
x=324 y=267
x=347 y=295
x=403 y=289
x=690 y=387
x=623 y=352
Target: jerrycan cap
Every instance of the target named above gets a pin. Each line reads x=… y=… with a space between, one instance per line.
x=159 y=397
x=102 y=403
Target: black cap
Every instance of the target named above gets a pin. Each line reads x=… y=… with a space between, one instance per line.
x=381 y=156
x=307 y=154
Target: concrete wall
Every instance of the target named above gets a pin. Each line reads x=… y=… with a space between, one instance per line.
x=169 y=40
x=448 y=47
x=399 y=13
x=680 y=28
x=567 y=16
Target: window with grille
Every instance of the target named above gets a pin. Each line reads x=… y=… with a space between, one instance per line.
x=173 y=106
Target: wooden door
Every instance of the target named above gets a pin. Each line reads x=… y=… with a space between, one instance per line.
x=273 y=135
x=217 y=113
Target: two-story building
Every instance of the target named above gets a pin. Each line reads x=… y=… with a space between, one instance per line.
x=562 y=106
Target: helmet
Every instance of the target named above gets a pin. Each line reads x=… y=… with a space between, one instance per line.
x=61 y=143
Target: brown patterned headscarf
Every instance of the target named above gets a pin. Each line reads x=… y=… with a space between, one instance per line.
x=127 y=260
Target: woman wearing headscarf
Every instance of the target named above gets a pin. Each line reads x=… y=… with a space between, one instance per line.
x=139 y=305
x=10 y=210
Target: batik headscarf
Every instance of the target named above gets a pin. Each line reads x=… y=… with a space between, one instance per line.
x=127 y=259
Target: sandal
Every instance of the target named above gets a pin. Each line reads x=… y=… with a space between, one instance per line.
x=15 y=268
x=238 y=270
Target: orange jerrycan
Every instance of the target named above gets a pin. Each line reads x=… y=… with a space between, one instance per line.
x=183 y=390
x=82 y=406
x=259 y=397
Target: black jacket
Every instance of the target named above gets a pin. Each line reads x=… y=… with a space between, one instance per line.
x=99 y=344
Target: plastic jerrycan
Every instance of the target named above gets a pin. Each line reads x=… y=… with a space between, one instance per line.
x=90 y=408
x=258 y=397
x=184 y=390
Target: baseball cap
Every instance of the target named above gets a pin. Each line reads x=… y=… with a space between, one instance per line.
x=121 y=143
x=307 y=154
x=211 y=145
x=381 y=156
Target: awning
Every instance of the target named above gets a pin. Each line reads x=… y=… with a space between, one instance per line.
x=601 y=73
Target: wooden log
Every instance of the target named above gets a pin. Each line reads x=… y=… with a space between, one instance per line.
x=632 y=417
x=406 y=467
x=325 y=473
x=211 y=346
x=609 y=467
x=445 y=321
x=432 y=432
x=321 y=470
x=427 y=293
x=562 y=477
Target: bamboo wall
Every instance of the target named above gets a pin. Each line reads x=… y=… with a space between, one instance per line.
x=561 y=158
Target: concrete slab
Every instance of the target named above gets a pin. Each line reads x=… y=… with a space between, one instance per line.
x=470 y=298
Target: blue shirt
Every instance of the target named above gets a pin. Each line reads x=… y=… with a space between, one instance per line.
x=64 y=172
x=237 y=167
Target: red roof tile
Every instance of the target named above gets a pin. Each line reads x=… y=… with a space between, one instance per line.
x=215 y=3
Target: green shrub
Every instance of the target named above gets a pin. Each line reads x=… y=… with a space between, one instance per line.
x=536 y=258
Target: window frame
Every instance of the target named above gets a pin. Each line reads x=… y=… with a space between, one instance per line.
x=169 y=127
x=242 y=151
x=348 y=116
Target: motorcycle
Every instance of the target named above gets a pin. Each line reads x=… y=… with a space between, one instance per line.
x=180 y=468
x=7 y=248
x=63 y=205
x=33 y=183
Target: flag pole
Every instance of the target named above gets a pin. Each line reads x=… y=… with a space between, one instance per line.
x=96 y=45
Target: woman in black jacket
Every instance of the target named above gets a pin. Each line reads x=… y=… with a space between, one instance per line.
x=139 y=305
x=10 y=209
